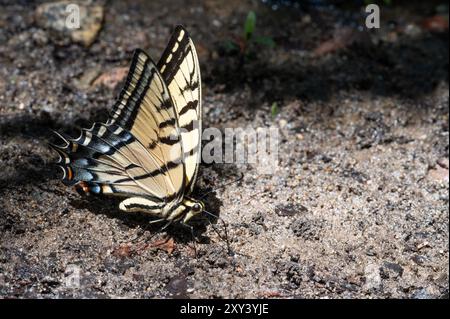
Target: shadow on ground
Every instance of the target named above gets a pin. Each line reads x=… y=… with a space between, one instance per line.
x=411 y=69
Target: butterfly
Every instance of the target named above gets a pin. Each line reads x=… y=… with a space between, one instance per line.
x=148 y=150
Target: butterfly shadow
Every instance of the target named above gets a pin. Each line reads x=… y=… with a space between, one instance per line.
x=33 y=164
x=148 y=229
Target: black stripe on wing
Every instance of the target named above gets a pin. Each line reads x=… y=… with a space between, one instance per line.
x=180 y=69
x=79 y=158
x=174 y=54
x=140 y=77
x=170 y=165
x=90 y=161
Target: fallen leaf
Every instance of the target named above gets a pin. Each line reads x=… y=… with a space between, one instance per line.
x=440 y=172
x=111 y=78
x=341 y=39
x=437 y=23
x=168 y=245
x=123 y=251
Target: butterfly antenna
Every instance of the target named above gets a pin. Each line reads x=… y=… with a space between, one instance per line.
x=217 y=231
x=223 y=185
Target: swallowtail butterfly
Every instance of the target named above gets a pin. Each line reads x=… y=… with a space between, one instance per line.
x=149 y=149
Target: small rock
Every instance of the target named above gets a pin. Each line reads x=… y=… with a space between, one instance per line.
x=306 y=19
x=429 y=292
x=413 y=30
x=294 y=274
x=394 y=267
x=290 y=209
x=258 y=218
x=39 y=37
x=373 y=278
x=442 y=280
x=418 y=259
x=50 y=281
x=423 y=245
x=55 y=17
x=308 y=229
x=326 y=159
x=421 y=294
x=177 y=286
x=282 y=123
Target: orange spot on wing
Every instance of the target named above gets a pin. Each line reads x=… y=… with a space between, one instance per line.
x=84 y=187
x=81 y=188
x=69 y=173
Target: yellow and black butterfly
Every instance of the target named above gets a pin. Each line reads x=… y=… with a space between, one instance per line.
x=149 y=149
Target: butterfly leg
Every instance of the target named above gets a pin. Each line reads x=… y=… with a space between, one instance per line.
x=145 y=245
x=191 y=228
x=146 y=228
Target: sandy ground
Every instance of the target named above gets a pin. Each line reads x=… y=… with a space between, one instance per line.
x=358 y=207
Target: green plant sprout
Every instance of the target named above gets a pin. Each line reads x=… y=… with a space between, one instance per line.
x=274 y=110
x=243 y=44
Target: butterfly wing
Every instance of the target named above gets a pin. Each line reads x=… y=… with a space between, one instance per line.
x=180 y=69
x=138 y=152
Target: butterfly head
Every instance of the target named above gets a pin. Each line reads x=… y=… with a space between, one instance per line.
x=192 y=208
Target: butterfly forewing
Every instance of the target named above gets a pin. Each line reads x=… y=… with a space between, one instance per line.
x=180 y=69
x=146 y=109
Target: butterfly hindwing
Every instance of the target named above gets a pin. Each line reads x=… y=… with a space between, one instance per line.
x=138 y=151
x=105 y=160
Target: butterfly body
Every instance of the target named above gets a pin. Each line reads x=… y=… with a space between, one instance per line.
x=182 y=211
x=148 y=151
